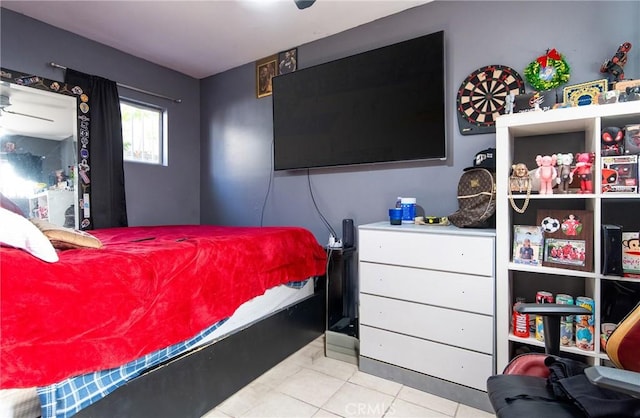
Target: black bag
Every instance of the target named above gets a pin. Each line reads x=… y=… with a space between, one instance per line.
x=476 y=199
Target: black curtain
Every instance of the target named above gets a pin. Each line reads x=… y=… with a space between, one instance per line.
x=108 y=203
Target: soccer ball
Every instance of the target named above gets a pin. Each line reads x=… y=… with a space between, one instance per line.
x=550 y=225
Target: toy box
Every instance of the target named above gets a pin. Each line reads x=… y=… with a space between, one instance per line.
x=632 y=139
x=622 y=85
x=631 y=254
x=620 y=173
x=528 y=102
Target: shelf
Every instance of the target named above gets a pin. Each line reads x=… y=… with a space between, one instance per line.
x=621 y=279
x=519 y=138
x=619 y=196
x=555 y=196
x=573 y=119
x=551 y=270
x=569 y=349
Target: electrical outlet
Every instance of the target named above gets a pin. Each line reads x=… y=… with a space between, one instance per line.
x=333 y=243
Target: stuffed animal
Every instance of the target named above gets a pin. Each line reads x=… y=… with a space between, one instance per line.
x=583 y=170
x=565 y=177
x=546 y=172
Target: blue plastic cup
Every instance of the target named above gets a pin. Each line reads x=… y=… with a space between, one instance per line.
x=395 y=216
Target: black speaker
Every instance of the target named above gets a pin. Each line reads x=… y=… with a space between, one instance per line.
x=611 y=250
x=348 y=233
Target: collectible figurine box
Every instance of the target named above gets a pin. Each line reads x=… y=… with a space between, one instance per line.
x=620 y=174
x=632 y=139
x=622 y=85
x=527 y=102
x=585 y=93
x=631 y=254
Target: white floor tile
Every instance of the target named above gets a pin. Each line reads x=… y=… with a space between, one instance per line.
x=404 y=409
x=279 y=374
x=325 y=414
x=376 y=383
x=336 y=368
x=308 y=384
x=278 y=405
x=465 y=411
x=245 y=399
x=311 y=386
x=357 y=401
x=428 y=400
x=306 y=355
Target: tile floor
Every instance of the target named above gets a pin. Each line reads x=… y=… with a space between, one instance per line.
x=308 y=384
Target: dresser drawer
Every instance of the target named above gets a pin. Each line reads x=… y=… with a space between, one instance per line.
x=438 y=288
x=465 y=367
x=455 y=253
x=447 y=326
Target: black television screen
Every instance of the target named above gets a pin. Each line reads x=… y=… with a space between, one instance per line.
x=378 y=106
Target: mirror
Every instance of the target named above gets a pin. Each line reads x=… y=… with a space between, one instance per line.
x=39 y=170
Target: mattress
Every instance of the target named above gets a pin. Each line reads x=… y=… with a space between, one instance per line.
x=146 y=288
x=25 y=403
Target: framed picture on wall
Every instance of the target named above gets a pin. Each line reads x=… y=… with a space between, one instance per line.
x=266 y=69
x=568 y=238
x=288 y=61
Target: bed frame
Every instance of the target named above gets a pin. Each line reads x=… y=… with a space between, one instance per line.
x=201 y=379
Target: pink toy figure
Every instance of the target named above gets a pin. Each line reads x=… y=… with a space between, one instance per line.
x=546 y=172
x=583 y=169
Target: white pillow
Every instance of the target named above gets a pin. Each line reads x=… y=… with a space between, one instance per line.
x=17 y=231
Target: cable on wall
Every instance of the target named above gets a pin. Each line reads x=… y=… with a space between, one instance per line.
x=124 y=86
x=326 y=223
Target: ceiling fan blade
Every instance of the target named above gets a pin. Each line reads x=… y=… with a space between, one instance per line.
x=27 y=115
x=303 y=4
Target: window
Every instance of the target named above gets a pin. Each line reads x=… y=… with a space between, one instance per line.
x=142 y=132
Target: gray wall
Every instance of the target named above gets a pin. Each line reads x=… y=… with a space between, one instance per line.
x=155 y=195
x=237 y=129
x=220 y=136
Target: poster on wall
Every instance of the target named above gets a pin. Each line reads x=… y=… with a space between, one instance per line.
x=266 y=69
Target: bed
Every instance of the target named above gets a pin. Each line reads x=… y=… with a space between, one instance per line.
x=165 y=298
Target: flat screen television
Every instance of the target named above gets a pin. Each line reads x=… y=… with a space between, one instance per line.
x=379 y=106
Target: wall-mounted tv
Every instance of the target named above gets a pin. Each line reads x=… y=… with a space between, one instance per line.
x=378 y=106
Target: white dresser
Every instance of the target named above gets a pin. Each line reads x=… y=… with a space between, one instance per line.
x=427 y=307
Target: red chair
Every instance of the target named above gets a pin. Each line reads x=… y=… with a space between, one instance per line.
x=549 y=386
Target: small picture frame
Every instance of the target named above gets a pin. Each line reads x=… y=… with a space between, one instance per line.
x=527 y=245
x=288 y=61
x=568 y=238
x=565 y=251
x=266 y=69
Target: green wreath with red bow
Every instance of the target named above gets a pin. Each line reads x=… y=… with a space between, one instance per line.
x=547 y=71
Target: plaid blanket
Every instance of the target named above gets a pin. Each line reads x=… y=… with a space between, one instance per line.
x=68 y=397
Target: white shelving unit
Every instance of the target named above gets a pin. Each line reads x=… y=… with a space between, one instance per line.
x=51 y=205
x=519 y=138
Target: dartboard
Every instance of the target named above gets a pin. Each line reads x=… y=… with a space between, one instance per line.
x=482 y=96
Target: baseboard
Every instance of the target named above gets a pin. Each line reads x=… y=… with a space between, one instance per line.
x=458 y=393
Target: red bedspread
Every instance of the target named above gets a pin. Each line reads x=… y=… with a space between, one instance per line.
x=147 y=288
